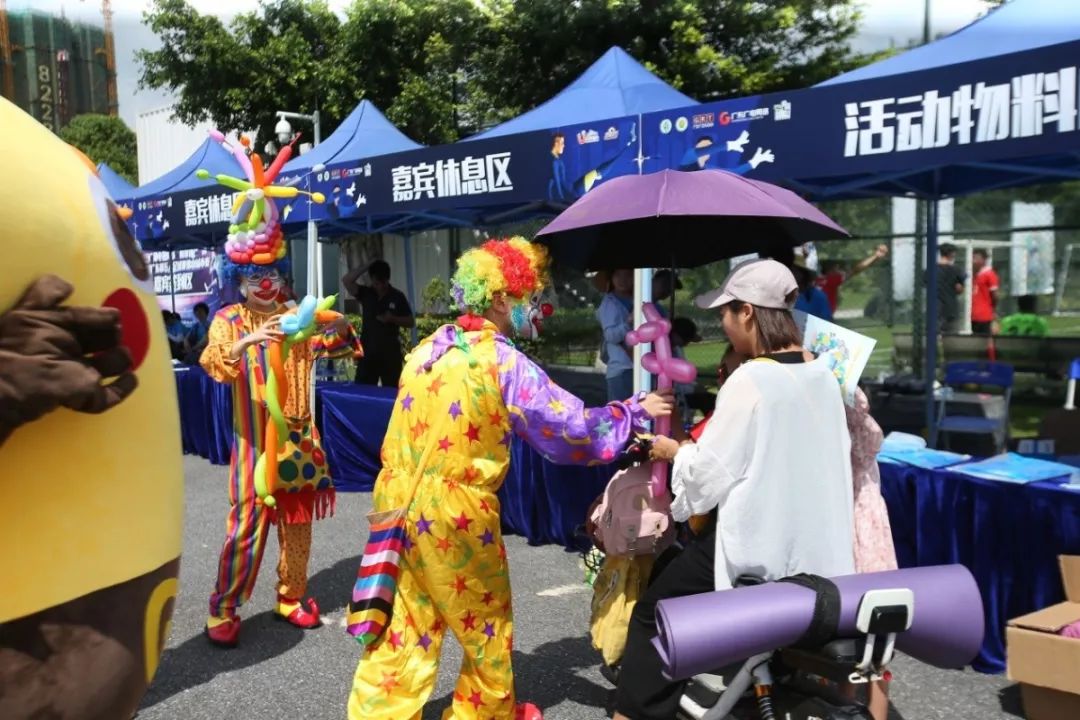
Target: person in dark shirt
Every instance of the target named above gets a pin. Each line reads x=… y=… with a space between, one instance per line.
x=950 y=284
x=385 y=310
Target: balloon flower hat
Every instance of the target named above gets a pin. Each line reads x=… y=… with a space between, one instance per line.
x=255 y=242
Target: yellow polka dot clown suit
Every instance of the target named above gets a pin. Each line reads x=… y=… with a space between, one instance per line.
x=464 y=390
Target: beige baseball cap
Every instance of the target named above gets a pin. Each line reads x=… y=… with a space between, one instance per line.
x=764 y=283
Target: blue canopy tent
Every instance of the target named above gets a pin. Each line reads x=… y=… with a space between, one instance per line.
x=616 y=85
x=533 y=165
x=920 y=124
x=364 y=133
x=179 y=207
x=119 y=188
x=1047 y=29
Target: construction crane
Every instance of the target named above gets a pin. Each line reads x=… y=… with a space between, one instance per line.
x=7 y=89
x=109 y=51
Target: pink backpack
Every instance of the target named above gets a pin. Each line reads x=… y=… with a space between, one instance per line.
x=630 y=519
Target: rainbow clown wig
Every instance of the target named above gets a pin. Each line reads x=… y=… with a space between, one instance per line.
x=513 y=266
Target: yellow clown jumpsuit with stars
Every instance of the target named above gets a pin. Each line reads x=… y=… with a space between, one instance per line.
x=467 y=393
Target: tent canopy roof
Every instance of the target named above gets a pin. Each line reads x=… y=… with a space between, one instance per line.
x=1014 y=27
x=616 y=85
x=118 y=187
x=364 y=133
x=209 y=156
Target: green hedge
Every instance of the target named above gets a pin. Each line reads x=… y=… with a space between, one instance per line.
x=567 y=329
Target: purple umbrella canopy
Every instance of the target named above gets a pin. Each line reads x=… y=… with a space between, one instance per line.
x=681 y=219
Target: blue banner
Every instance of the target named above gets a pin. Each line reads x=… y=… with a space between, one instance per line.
x=980 y=114
x=972 y=120
x=192 y=213
x=559 y=165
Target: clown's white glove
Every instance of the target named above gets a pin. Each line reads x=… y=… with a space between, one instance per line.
x=762 y=156
x=739 y=143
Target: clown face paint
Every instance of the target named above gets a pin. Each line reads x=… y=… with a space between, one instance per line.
x=527 y=317
x=262 y=288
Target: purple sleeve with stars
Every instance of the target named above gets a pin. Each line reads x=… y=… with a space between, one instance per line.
x=557 y=423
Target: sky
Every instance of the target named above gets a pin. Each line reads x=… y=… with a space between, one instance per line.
x=886 y=23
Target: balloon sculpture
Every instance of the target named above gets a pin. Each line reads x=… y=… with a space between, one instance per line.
x=255 y=238
x=254 y=230
x=668 y=368
x=297 y=327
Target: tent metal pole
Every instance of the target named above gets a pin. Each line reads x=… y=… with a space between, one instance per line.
x=931 y=313
x=642 y=294
x=172 y=278
x=410 y=284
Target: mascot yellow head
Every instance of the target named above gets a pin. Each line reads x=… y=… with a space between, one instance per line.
x=92 y=499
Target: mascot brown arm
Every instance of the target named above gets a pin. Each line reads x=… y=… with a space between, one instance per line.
x=54 y=356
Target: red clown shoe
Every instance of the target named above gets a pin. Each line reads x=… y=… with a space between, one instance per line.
x=527 y=711
x=223 y=632
x=293 y=612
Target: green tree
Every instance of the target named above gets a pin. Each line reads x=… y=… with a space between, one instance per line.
x=415 y=59
x=707 y=48
x=105 y=139
x=283 y=56
x=443 y=69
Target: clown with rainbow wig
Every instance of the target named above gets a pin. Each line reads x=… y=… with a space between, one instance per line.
x=241 y=352
x=465 y=392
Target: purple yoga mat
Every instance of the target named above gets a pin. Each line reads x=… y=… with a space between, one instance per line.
x=701 y=633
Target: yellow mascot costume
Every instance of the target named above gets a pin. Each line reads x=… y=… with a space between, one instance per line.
x=92 y=483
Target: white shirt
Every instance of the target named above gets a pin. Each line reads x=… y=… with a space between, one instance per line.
x=775 y=460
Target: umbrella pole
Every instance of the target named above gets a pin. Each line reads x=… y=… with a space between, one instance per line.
x=672 y=291
x=642 y=294
x=172 y=279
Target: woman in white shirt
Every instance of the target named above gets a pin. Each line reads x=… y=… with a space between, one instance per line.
x=772 y=468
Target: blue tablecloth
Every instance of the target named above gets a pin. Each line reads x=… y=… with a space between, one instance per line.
x=205 y=415
x=541 y=501
x=1008 y=535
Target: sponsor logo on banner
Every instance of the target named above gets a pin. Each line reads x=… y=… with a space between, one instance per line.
x=781 y=111
x=681 y=124
x=703 y=120
x=452 y=178
x=726 y=118
x=587 y=137
x=611 y=134
x=665 y=126
x=1024 y=106
x=154 y=204
x=360 y=171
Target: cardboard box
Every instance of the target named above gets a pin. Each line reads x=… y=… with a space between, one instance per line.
x=1046 y=664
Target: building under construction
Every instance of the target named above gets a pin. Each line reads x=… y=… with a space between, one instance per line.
x=56 y=69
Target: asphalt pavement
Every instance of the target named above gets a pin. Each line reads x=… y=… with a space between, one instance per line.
x=282 y=673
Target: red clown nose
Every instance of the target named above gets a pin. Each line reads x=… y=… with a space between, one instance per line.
x=547 y=309
x=266 y=284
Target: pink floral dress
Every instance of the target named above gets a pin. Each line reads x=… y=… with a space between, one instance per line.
x=874 y=551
